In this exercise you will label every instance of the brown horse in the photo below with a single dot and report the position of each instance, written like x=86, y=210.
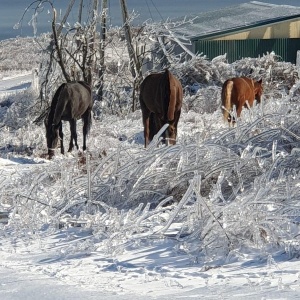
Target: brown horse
x=71, y=101
x=161, y=100
x=238, y=91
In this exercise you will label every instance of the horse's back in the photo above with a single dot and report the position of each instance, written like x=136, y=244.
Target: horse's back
x=74, y=100
x=150, y=84
x=242, y=90
x=80, y=90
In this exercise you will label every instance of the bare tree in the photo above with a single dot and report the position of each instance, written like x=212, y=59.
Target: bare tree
x=78, y=53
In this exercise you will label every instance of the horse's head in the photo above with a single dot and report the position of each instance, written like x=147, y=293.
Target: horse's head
x=258, y=90
x=52, y=134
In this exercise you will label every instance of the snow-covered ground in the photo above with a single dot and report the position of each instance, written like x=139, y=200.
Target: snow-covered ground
x=152, y=270
x=144, y=252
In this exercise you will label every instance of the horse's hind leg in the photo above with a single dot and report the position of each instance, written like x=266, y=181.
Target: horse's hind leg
x=177, y=116
x=146, y=119
x=240, y=104
x=61, y=135
x=172, y=129
x=87, y=120
x=152, y=126
x=73, y=135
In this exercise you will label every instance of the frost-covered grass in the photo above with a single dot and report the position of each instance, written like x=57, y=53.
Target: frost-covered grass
x=224, y=188
x=21, y=54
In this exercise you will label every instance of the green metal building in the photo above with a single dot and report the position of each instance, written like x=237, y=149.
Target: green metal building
x=250, y=29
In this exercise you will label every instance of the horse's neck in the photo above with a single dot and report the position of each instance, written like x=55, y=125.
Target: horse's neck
x=54, y=103
x=63, y=99
x=52, y=112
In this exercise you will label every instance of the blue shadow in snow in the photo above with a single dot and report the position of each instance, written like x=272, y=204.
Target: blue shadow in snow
x=20, y=86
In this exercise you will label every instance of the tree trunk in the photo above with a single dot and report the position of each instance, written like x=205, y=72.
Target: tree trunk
x=135, y=65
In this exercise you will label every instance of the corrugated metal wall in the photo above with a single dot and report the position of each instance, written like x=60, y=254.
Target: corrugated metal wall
x=237, y=49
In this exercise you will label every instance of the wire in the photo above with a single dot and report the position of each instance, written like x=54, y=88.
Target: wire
x=149, y=9
x=156, y=9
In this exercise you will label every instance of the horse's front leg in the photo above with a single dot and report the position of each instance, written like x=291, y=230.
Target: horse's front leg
x=172, y=130
x=146, y=120
x=239, y=108
x=61, y=136
x=73, y=135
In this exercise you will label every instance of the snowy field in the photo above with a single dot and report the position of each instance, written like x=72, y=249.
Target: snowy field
x=15, y=84
x=214, y=217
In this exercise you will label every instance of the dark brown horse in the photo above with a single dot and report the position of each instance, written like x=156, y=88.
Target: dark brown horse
x=161, y=100
x=238, y=91
x=70, y=102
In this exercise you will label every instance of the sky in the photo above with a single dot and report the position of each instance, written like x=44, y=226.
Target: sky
x=12, y=11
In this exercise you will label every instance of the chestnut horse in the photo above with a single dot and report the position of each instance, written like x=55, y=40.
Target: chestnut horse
x=238, y=91
x=161, y=97
x=71, y=101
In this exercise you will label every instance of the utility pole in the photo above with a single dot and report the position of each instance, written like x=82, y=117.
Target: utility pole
x=102, y=48
x=91, y=60
x=71, y=3
x=135, y=65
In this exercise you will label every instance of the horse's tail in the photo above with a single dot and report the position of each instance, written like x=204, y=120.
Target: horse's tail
x=170, y=96
x=226, y=98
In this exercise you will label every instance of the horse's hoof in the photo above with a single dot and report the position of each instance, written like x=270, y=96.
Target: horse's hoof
x=50, y=154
